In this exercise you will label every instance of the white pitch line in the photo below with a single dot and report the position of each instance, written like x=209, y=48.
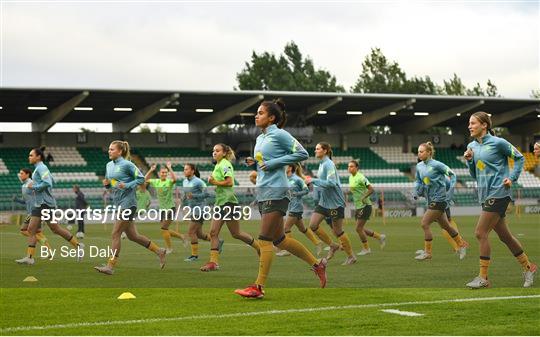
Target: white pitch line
x=258, y=313
x=402, y=313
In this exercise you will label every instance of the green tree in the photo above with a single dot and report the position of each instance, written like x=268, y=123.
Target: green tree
x=422, y=86
x=455, y=86
x=144, y=128
x=492, y=90
x=535, y=93
x=380, y=75
x=291, y=71
x=477, y=90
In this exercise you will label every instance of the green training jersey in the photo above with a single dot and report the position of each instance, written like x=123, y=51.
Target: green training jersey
x=359, y=187
x=224, y=194
x=143, y=199
x=164, y=189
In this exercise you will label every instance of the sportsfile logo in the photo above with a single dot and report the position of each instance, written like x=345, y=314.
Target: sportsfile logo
x=113, y=213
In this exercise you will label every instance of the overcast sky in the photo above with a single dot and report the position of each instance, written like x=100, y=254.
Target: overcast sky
x=201, y=46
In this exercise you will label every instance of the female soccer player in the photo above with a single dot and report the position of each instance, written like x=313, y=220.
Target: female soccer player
x=82, y=204
x=331, y=203
x=431, y=184
x=41, y=187
x=296, y=209
x=223, y=178
x=454, y=225
x=274, y=149
x=144, y=199
x=361, y=190
x=194, y=197
x=487, y=160
x=165, y=189
x=28, y=201
x=123, y=177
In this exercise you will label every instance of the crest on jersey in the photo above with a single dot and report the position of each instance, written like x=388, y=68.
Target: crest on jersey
x=426, y=180
x=480, y=165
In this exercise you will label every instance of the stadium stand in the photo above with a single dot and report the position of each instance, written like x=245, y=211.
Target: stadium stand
x=386, y=167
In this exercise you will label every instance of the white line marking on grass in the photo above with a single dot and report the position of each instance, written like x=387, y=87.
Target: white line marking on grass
x=257, y=313
x=402, y=313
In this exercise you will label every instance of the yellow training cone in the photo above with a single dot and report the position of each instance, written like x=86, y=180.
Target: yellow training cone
x=126, y=296
x=30, y=279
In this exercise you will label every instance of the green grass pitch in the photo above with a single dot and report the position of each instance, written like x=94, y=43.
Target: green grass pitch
x=70, y=298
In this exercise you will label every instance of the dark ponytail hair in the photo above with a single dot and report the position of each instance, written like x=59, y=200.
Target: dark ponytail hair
x=40, y=151
x=276, y=108
x=326, y=146
x=195, y=169
x=483, y=117
x=27, y=171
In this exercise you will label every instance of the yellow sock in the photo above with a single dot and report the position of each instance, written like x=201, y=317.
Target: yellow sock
x=25, y=233
x=47, y=244
x=153, y=247
x=450, y=240
x=376, y=235
x=459, y=240
x=176, y=234
x=167, y=237
x=365, y=245
x=346, y=243
x=214, y=255
x=484, y=264
x=74, y=242
x=312, y=237
x=323, y=236
x=294, y=247
x=195, y=249
x=288, y=234
x=454, y=224
x=30, y=251
x=41, y=238
x=427, y=246
x=112, y=261
x=256, y=246
x=265, y=261
x=523, y=259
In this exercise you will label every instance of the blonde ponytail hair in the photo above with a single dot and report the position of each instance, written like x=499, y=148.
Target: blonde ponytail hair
x=430, y=148
x=229, y=152
x=297, y=169
x=124, y=147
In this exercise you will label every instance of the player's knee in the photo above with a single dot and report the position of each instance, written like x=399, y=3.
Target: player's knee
x=117, y=232
x=480, y=235
x=132, y=236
